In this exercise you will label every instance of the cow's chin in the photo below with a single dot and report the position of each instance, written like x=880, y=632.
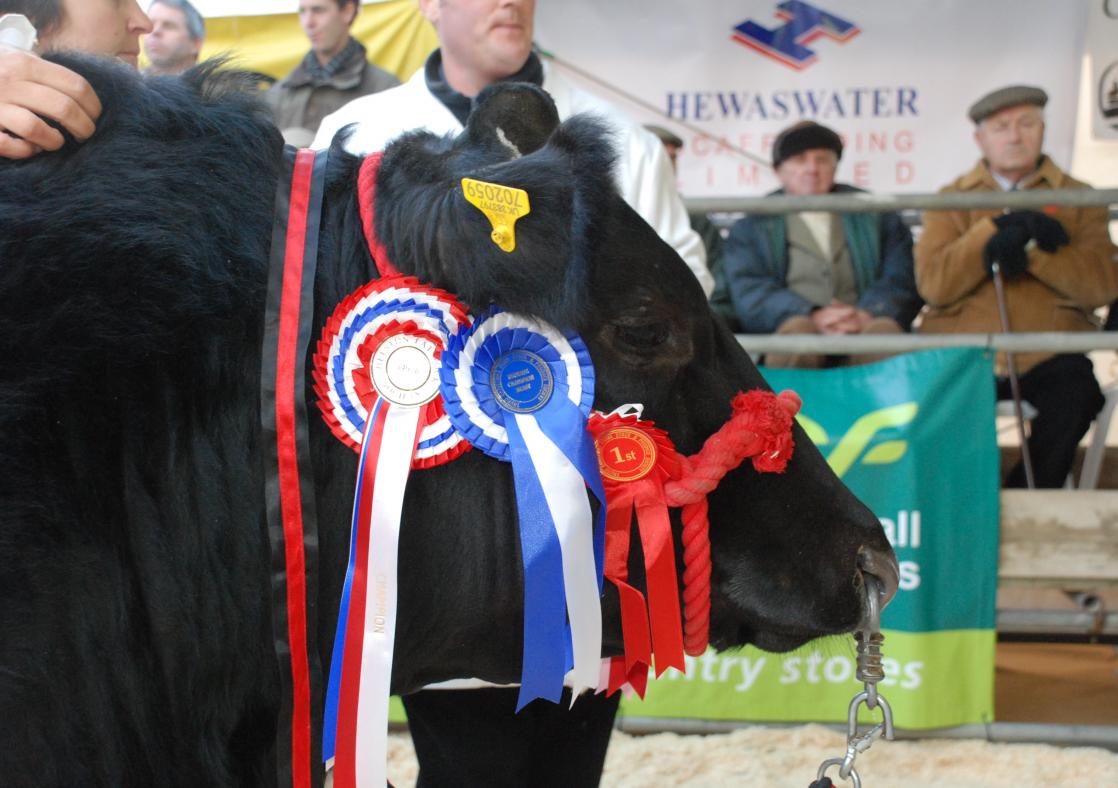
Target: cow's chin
x=766, y=641
x=731, y=631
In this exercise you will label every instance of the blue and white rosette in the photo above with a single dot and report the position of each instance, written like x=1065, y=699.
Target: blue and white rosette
x=521, y=391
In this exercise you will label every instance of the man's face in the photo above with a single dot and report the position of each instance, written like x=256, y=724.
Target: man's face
x=490, y=38
x=1011, y=140
x=326, y=25
x=809, y=172
x=169, y=43
x=101, y=27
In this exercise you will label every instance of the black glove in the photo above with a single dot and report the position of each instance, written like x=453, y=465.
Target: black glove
x=1007, y=248
x=1050, y=235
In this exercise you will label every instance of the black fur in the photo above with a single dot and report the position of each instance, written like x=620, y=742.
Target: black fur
x=135, y=638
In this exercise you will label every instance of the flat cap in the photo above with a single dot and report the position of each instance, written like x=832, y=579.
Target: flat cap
x=805, y=135
x=1003, y=98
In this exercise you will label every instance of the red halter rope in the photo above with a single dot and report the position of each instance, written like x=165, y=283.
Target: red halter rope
x=761, y=428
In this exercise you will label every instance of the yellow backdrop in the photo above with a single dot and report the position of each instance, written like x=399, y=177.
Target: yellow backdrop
x=395, y=33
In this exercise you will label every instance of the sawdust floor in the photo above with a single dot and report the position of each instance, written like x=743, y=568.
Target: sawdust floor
x=1038, y=683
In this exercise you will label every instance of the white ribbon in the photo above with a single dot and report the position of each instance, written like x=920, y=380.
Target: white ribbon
x=390, y=480
x=574, y=522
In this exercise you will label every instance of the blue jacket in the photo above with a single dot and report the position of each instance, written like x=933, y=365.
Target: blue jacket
x=755, y=267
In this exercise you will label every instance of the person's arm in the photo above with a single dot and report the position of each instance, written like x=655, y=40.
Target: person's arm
x=948, y=258
x=1084, y=270
x=760, y=298
x=893, y=294
x=646, y=181
x=32, y=89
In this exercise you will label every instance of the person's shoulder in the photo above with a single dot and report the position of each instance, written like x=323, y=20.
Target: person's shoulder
x=977, y=178
x=293, y=78
x=571, y=99
x=1056, y=178
x=378, y=78
x=378, y=116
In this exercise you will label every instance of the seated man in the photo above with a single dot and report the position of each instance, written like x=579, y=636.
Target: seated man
x=818, y=272
x=333, y=73
x=1058, y=266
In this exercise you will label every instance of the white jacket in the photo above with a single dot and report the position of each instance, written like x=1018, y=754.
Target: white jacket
x=645, y=177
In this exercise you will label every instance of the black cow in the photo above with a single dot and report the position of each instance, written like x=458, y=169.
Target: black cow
x=136, y=643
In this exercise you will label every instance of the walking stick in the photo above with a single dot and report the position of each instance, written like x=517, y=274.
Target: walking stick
x=1014, y=381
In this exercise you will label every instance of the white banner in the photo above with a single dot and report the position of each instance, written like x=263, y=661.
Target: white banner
x=1102, y=51
x=895, y=79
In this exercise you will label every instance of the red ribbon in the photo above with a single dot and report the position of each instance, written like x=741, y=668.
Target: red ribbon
x=366, y=206
x=636, y=459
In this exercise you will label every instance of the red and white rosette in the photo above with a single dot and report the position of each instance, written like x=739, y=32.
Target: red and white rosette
x=377, y=378
x=636, y=459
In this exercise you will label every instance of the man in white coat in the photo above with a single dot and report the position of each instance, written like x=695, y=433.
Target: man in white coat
x=485, y=41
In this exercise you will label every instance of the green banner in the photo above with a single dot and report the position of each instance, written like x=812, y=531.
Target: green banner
x=913, y=437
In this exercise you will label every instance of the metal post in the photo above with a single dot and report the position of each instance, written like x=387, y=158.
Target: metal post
x=1014, y=381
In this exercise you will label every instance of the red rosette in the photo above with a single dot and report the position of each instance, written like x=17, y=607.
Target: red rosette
x=636, y=459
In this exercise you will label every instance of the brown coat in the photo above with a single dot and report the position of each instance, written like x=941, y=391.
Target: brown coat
x=1058, y=292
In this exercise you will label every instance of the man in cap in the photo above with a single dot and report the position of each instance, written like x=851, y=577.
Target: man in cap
x=333, y=73
x=177, y=34
x=1058, y=265
x=486, y=41
x=817, y=272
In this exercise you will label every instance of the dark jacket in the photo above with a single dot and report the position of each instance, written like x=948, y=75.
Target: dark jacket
x=755, y=265
x=299, y=101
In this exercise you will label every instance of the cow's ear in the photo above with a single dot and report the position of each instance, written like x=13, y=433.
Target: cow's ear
x=515, y=116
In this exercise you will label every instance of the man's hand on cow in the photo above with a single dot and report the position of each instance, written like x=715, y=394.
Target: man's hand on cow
x=32, y=89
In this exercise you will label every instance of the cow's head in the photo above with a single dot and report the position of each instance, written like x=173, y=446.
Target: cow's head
x=789, y=550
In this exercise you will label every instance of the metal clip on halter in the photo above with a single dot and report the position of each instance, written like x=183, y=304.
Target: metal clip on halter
x=870, y=672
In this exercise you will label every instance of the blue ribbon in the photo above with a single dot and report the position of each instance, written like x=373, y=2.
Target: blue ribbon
x=547, y=650
x=334, y=685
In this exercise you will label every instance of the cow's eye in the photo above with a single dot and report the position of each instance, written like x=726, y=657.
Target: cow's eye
x=644, y=335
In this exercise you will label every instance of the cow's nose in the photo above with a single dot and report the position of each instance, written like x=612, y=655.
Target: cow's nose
x=882, y=564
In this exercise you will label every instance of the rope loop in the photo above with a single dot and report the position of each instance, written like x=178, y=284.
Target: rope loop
x=760, y=428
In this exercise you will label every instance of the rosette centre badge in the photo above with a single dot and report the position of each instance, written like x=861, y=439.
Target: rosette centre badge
x=404, y=370
x=626, y=454
x=521, y=381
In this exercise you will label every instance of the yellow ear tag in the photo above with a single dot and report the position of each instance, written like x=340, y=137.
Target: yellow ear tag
x=502, y=205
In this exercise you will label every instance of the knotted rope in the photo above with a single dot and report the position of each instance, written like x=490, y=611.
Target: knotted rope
x=760, y=428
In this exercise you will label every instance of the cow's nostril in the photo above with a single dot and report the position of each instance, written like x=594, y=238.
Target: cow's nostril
x=882, y=564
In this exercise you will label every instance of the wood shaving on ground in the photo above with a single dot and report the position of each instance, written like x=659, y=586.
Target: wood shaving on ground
x=790, y=757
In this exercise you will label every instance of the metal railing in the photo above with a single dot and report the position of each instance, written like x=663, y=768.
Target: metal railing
x=865, y=202
x=729, y=208
x=1054, y=342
